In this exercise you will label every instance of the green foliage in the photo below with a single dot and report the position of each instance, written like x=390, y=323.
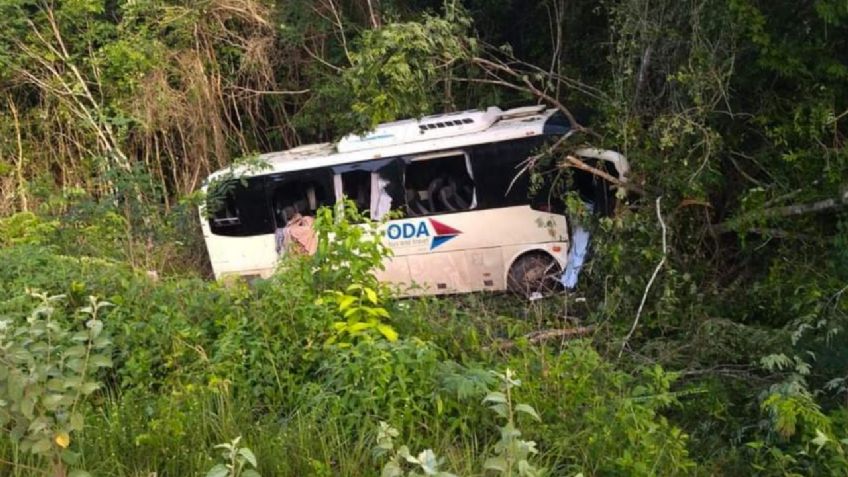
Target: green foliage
x=397, y=381
x=733, y=111
x=363, y=316
x=426, y=460
x=396, y=70
x=48, y=372
x=239, y=461
x=26, y=228
x=602, y=420
x=511, y=452
x=350, y=248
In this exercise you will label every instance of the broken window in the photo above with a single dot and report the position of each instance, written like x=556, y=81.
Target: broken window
x=238, y=210
x=301, y=193
x=356, y=186
x=375, y=186
x=225, y=212
x=499, y=175
x=435, y=185
x=387, y=187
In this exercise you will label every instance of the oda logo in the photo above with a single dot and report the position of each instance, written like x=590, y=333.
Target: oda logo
x=441, y=233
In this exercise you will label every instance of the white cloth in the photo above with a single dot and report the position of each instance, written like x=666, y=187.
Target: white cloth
x=577, y=254
x=576, y=257
x=381, y=201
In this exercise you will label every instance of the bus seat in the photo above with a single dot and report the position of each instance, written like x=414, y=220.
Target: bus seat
x=310, y=197
x=446, y=194
x=414, y=205
x=432, y=192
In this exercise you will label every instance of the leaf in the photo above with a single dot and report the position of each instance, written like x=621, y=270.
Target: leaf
x=358, y=327
x=89, y=387
x=95, y=327
x=62, y=439
x=495, y=463
x=820, y=440
x=496, y=397
x=220, y=470
x=101, y=342
x=41, y=446
x=75, y=351
x=79, y=473
x=248, y=455
x=528, y=409
x=403, y=451
x=101, y=361
x=27, y=406
x=500, y=409
x=388, y=332
x=70, y=457
x=80, y=337
x=350, y=311
x=51, y=401
x=346, y=301
x=372, y=295
x=250, y=473
x=76, y=421
x=527, y=470
x=391, y=469
x=75, y=365
x=428, y=462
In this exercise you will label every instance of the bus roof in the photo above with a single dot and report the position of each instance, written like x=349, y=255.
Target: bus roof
x=410, y=136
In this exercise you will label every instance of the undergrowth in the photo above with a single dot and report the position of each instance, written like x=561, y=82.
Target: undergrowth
x=287, y=368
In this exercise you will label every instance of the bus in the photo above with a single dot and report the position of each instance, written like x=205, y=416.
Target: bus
x=469, y=222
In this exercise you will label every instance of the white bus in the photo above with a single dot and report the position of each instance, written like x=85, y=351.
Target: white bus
x=468, y=223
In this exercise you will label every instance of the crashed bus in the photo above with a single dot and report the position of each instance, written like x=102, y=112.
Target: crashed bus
x=468, y=220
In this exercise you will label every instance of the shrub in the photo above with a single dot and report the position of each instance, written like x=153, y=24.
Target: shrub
x=47, y=371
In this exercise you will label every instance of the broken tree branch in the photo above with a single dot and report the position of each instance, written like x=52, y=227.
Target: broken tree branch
x=783, y=211
x=571, y=161
x=542, y=336
x=651, y=281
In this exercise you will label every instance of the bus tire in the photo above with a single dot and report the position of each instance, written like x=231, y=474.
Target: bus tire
x=533, y=274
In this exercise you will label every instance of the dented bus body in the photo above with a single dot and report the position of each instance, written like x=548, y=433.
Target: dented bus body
x=469, y=222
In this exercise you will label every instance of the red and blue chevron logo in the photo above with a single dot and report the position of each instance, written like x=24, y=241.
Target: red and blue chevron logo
x=443, y=233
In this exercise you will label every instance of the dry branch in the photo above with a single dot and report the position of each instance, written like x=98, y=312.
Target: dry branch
x=651, y=280
x=783, y=211
x=571, y=161
x=541, y=336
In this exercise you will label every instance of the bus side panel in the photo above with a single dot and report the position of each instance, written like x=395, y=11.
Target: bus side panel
x=254, y=255
x=486, y=269
x=474, y=230
x=439, y=272
x=396, y=272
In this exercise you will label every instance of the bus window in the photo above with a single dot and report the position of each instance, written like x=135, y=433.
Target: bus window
x=356, y=186
x=237, y=210
x=496, y=172
x=387, y=187
x=226, y=213
x=439, y=185
x=300, y=194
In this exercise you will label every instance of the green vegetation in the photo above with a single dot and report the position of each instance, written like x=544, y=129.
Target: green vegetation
x=716, y=290
x=196, y=363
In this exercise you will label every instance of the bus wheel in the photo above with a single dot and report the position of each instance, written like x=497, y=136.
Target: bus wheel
x=534, y=275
